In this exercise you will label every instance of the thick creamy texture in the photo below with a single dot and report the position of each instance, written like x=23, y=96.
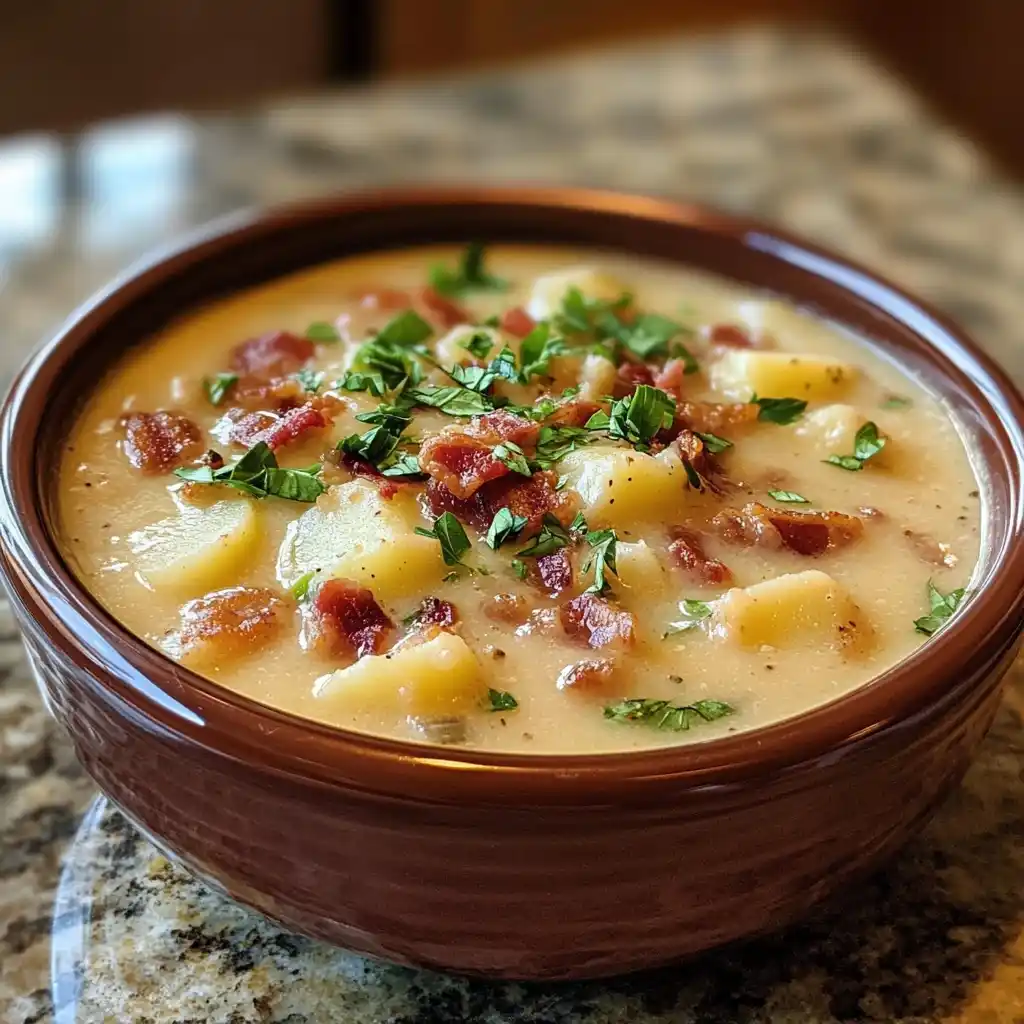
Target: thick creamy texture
x=768, y=653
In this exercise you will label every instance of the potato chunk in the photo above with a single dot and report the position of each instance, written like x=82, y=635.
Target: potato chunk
x=797, y=609
x=740, y=373
x=597, y=377
x=640, y=570
x=619, y=486
x=549, y=290
x=199, y=549
x=353, y=532
x=439, y=677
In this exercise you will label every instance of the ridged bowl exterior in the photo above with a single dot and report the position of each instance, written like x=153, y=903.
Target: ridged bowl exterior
x=519, y=867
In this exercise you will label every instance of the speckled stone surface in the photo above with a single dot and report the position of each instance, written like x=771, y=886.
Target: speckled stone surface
x=95, y=926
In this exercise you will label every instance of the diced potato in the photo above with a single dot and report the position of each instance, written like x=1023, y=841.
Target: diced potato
x=549, y=290
x=640, y=570
x=439, y=677
x=597, y=377
x=451, y=351
x=199, y=549
x=619, y=486
x=352, y=532
x=802, y=608
x=740, y=373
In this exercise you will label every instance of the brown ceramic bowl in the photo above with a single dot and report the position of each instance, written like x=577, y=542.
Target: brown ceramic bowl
x=497, y=864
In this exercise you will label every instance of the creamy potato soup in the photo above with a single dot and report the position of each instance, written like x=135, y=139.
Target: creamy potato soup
x=527, y=499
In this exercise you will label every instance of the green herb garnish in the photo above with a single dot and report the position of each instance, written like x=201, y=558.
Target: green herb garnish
x=647, y=336
x=519, y=568
x=638, y=418
x=551, y=537
x=478, y=344
x=454, y=400
x=311, y=380
x=554, y=443
x=449, y=532
x=866, y=444
x=472, y=378
x=601, y=557
x=713, y=442
x=942, y=607
x=405, y=330
x=790, y=497
x=782, y=411
x=896, y=402
x=355, y=380
x=680, y=351
x=218, y=386
x=300, y=588
x=693, y=613
x=469, y=276
x=501, y=700
x=505, y=526
x=257, y=474
x=663, y=714
x=322, y=332
x=510, y=454
x=537, y=350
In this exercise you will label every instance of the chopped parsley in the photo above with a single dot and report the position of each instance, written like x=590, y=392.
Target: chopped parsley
x=218, y=386
x=355, y=380
x=505, y=526
x=300, y=588
x=510, y=454
x=472, y=378
x=311, y=380
x=453, y=400
x=519, y=568
x=647, y=336
x=322, y=332
x=500, y=700
x=451, y=535
x=582, y=315
x=469, y=276
x=690, y=364
x=601, y=558
x=663, y=714
x=257, y=474
x=693, y=613
x=405, y=330
x=554, y=443
x=896, y=402
x=866, y=444
x=942, y=607
x=789, y=497
x=782, y=411
x=638, y=418
x=478, y=344
x=551, y=537
x=504, y=365
x=713, y=442
x=537, y=350
x=380, y=447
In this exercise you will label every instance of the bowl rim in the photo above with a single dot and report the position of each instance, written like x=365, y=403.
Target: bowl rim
x=146, y=685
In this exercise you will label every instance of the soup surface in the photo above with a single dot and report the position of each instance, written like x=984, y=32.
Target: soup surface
x=533, y=500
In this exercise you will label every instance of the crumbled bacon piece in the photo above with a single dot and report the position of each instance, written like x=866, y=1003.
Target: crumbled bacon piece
x=461, y=459
x=553, y=573
x=275, y=431
x=574, y=413
x=692, y=450
x=386, y=486
x=517, y=322
x=594, y=621
x=530, y=497
x=729, y=335
x=428, y=303
x=929, y=550
x=435, y=611
x=511, y=608
x=157, y=442
x=806, y=533
x=687, y=551
x=348, y=620
x=629, y=376
x=670, y=377
x=593, y=675
x=271, y=356
x=713, y=417
x=232, y=622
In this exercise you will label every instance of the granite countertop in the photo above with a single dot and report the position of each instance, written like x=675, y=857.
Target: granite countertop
x=96, y=926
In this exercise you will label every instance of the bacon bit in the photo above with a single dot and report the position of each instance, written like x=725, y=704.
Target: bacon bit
x=275, y=431
x=428, y=303
x=232, y=622
x=629, y=376
x=435, y=611
x=552, y=573
x=347, y=619
x=714, y=418
x=593, y=620
x=517, y=322
x=243, y=428
x=687, y=550
x=212, y=459
x=271, y=356
x=461, y=459
x=929, y=550
x=157, y=442
x=806, y=533
x=574, y=413
x=592, y=675
x=530, y=497
x=670, y=377
x=540, y=622
x=386, y=486
x=511, y=608
x=729, y=335
x=692, y=450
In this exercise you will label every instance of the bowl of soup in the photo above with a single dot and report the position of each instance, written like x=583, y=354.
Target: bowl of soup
x=534, y=584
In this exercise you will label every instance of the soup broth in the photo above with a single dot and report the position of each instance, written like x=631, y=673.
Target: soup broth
x=532, y=499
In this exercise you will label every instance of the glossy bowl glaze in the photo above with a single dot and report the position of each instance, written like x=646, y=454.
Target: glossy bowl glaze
x=511, y=865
